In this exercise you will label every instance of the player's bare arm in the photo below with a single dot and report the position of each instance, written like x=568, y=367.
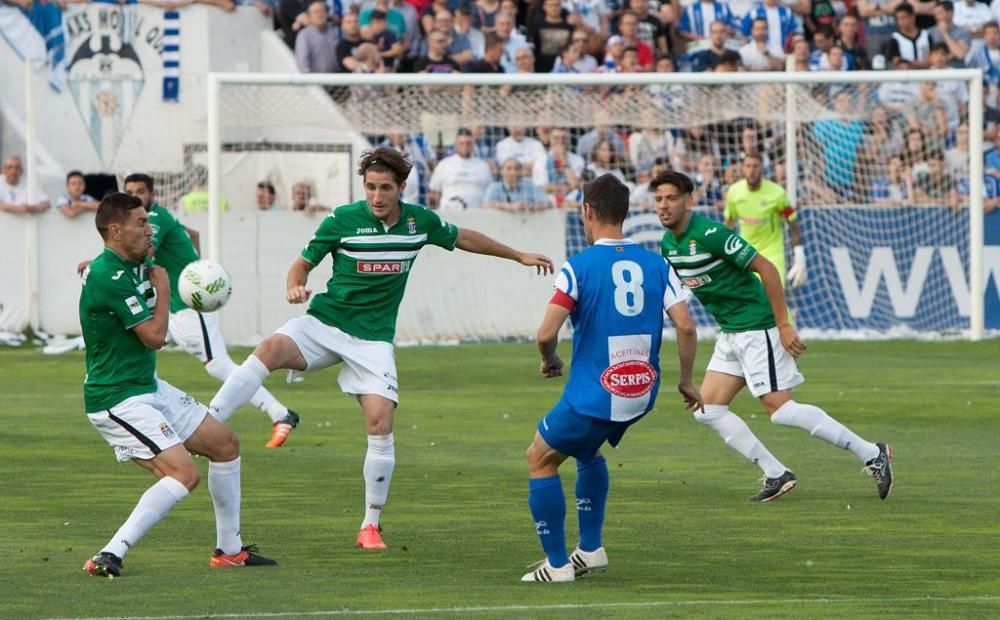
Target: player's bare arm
x=195, y=239
x=776, y=297
x=687, y=348
x=478, y=243
x=548, y=339
x=153, y=333
x=298, y=276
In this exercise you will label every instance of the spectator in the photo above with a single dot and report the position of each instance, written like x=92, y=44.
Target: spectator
x=592, y=16
x=840, y=138
x=14, y=190
x=972, y=16
x=925, y=13
x=707, y=59
x=196, y=200
x=801, y=55
x=512, y=40
x=920, y=111
x=755, y=55
x=991, y=193
x=821, y=15
x=651, y=30
x=897, y=95
x=464, y=28
x=436, y=60
x=291, y=18
x=613, y=53
x=550, y=31
x=429, y=12
x=908, y=42
x=956, y=158
x=490, y=62
x=601, y=131
x=956, y=38
x=773, y=13
x=879, y=20
x=603, y=160
x=936, y=186
x=521, y=148
x=953, y=94
x=459, y=180
x=992, y=161
x=524, y=61
x=413, y=38
x=884, y=136
x=708, y=188
x=350, y=39
x=729, y=62
x=390, y=47
x=847, y=31
x=895, y=187
x=460, y=48
x=316, y=45
x=628, y=28
x=567, y=59
x=513, y=192
x=266, y=197
x=649, y=143
x=77, y=200
x=585, y=63
x=915, y=153
x=698, y=16
x=640, y=196
x=985, y=54
x=302, y=198
x=394, y=20
x=823, y=40
x=369, y=61
x=559, y=171
x=485, y=13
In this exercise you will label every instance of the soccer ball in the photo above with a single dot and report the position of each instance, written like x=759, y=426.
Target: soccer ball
x=205, y=286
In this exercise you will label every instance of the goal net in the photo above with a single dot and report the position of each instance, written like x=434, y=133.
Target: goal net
x=878, y=167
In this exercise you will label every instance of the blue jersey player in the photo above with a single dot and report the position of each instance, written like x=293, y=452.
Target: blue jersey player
x=615, y=293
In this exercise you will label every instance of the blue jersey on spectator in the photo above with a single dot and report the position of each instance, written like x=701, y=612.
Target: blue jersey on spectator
x=694, y=19
x=840, y=142
x=991, y=187
x=617, y=292
x=789, y=23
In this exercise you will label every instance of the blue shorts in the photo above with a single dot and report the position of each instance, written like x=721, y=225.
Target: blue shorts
x=580, y=436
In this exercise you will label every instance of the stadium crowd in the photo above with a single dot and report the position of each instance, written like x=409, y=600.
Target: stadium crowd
x=910, y=140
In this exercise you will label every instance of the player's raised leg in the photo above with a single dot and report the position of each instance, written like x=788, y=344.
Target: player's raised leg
x=818, y=423
x=274, y=352
x=380, y=460
x=548, y=509
x=718, y=389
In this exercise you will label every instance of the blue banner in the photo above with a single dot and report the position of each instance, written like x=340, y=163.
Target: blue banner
x=869, y=268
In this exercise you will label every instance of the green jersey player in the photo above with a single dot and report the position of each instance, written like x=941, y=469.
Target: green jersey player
x=123, y=313
x=373, y=243
x=760, y=206
x=757, y=346
x=174, y=247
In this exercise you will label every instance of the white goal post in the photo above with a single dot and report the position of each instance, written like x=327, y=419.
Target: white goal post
x=786, y=99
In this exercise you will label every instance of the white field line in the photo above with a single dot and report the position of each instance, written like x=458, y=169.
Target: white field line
x=558, y=607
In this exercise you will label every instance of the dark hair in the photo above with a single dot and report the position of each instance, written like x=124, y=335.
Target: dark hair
x=759, y=19
x=991, y=25
x=114, y=209
x=377, y=14
x=385, y=159
x=463, y=131
x=826, y=31
x=730, y=57
x=940, y=46
x=906, y=7
x=138, y=177
x=268, y=186
x=948, y=5
x=671, y=177
x=492, y=40
x=608, y=197
x=73, y=173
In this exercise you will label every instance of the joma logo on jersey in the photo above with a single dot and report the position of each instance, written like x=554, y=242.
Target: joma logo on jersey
x=387, y=266
x=629, y=379
x=697, y=281
x=366, y=231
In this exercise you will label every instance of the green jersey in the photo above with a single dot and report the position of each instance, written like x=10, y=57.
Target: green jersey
x=712, y=261
x=759, y=215
x=370, y=265
x=172, y=248
x=116, y=296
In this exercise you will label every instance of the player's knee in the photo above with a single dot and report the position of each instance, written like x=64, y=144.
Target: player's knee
x=379, y=426
x=710, y=413
x=228, y=449
x=187, y=474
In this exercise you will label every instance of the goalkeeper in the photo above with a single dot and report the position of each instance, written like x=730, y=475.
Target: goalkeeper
x=759, y=206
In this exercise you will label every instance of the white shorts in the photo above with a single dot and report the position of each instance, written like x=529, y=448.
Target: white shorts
x=140, y=427
x=759, y=358
x=197, y=333
x=369, y=365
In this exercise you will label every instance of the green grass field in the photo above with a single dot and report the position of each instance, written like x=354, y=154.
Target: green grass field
x=681, y=537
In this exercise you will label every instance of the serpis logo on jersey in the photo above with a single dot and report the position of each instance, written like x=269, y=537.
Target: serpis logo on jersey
x=411, y=226
x=629, y=379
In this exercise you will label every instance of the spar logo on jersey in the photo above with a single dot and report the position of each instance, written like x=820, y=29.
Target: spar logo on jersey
x=381, y=267
x=733, y=245
x=629, y=379
x=697, y=281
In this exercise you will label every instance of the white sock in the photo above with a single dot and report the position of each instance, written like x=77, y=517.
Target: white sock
x=738, y=436
x=222, y=366
x=240, y=386
x=819, y=424
x=154, y=504
x=379, y=462
x=224, y=485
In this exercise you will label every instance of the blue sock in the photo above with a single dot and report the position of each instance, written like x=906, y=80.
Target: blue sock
x=548, y=508
x=591, y=497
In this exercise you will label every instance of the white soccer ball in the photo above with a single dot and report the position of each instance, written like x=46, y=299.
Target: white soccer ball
x=205, y=286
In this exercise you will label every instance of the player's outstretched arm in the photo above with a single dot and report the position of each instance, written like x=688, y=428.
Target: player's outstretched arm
x=296, y=291
x=548, y=339
x=687, y=348
x=798, y=274
x=478, y=243
x=776, y=297
x=153, y=333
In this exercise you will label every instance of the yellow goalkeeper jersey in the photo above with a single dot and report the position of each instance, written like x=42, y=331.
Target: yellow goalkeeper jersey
x=759, y=215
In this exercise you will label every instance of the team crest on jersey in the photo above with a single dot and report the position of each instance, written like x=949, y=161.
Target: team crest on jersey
x=411, y=225
x=692, y=247
x=629, y=379
x=166, y=430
